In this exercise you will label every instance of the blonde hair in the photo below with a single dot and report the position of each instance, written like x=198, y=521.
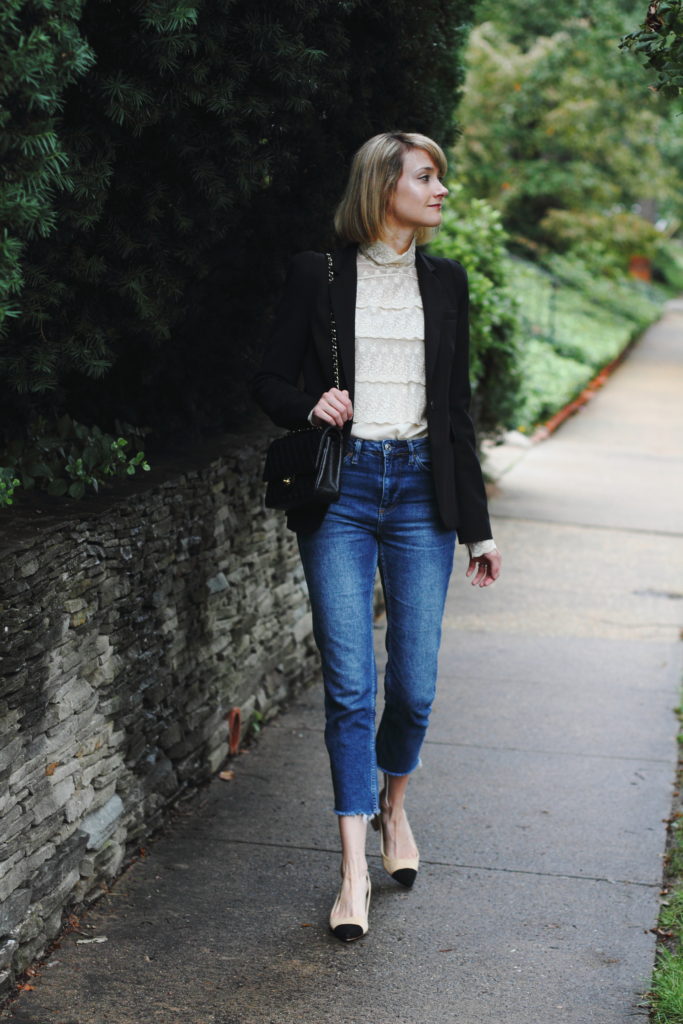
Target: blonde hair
x=375, y=170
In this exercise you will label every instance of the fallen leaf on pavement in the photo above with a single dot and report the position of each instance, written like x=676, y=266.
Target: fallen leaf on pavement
x=227, y=776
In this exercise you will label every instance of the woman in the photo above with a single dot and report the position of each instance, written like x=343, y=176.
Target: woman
x=410, y=480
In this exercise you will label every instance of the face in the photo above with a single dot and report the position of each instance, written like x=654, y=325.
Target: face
x=419, y=194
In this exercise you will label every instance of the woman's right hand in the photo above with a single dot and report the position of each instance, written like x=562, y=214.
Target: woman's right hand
x=333, y=408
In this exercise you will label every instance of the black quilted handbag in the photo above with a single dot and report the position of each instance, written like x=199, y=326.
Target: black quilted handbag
x=304, y=466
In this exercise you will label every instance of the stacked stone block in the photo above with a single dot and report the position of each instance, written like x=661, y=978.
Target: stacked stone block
x=128, y=629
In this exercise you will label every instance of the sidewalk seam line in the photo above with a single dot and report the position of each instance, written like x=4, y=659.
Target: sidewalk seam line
x=552, y=753
x=523, y=750
x=586, y=526
x=448, y=864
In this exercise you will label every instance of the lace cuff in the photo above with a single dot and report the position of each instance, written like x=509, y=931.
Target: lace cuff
x=481, y=547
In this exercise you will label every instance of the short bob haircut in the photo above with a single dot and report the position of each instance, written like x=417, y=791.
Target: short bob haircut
x=375, y=170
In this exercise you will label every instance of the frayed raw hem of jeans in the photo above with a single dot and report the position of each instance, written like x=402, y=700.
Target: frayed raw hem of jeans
x=401, y=775
x=358, y=814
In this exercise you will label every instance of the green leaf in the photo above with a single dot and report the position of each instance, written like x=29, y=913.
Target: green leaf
x=90, y=456
x=57, y=488
x=77, y=490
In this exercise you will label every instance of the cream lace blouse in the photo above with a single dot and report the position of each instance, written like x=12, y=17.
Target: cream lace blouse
x=389, y=390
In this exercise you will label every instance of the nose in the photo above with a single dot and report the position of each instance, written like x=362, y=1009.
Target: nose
x=442, y=190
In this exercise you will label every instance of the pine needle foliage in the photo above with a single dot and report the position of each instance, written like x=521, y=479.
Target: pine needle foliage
x=167, y=156
x=41, y=53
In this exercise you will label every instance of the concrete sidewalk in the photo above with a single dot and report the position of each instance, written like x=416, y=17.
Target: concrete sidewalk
x=548, y=771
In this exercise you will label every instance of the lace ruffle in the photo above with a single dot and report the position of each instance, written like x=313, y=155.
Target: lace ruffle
x=396, y=295
x=396, y=324
x=379, y=360
x=379, y=284
x=389, y=402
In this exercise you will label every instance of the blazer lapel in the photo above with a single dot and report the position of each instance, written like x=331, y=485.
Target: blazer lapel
x=434, y=303
x=343, y=298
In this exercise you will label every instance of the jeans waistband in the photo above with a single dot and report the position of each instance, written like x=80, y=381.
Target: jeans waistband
x=410, y=445
x=409, y=450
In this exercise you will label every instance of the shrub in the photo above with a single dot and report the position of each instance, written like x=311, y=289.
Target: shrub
x=471, y=232
x=8, y=484
x=668, y=263
x=573, y=323
x=605, y=242
x=41, y=54
x=66, y=458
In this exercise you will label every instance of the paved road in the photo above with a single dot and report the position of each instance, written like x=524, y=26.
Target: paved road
x=539, y=809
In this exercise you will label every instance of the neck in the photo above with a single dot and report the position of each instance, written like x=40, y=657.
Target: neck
x=400, y=239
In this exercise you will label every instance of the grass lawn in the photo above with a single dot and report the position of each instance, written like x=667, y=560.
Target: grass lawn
x=573, y=324
x=666, y=990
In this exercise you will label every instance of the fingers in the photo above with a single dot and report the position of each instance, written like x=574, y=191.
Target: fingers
x=486, y=569
x=480, y=570
x=333, y=408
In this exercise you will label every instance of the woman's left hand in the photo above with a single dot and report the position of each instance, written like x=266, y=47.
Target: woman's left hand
x=486, y=568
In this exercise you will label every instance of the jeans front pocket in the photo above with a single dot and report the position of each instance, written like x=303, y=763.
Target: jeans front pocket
x=423, y=459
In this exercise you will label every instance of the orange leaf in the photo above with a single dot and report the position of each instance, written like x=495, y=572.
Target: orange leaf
x=26, y=988
x=50, y=770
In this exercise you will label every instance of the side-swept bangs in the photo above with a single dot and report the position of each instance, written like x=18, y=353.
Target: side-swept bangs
x=375, y=170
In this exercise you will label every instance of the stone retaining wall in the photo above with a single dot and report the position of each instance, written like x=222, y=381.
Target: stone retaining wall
x=128, y=629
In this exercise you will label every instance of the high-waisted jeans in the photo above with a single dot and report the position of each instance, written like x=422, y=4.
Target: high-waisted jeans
x=386, y=516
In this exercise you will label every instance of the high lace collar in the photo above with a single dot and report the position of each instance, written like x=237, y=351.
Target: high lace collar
x=384, y=256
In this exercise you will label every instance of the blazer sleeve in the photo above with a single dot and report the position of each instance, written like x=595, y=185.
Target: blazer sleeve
x=275, y=386
x=474, y=523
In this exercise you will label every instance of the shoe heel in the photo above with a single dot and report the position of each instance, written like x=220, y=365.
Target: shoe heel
x=404, y=870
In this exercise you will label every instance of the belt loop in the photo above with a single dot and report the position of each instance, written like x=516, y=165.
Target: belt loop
x=411, y=450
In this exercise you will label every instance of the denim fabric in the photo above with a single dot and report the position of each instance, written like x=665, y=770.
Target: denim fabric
x=387, y=517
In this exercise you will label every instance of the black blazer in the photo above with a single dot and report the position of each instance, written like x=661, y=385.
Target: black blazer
x=297, y=368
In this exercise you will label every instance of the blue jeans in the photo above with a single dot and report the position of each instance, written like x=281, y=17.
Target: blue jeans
x=387, y=517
